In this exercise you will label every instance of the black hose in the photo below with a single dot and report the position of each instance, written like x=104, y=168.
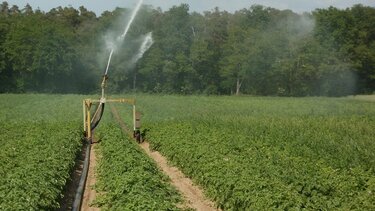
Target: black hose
x=82, y=182
x=95, y=120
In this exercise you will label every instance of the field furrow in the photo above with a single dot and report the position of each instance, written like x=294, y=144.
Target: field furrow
x=257, y=153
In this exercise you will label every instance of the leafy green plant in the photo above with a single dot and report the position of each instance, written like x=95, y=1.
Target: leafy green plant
x=39, y=139
x=269, y=153
x=128, y=179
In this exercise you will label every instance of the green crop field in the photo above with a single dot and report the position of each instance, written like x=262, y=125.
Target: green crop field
x=40, y=136
x=264, y=152
x=245, y=152
x=224, y=95
x=129, y=179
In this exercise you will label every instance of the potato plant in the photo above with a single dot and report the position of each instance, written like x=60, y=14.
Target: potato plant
x=128, y=179
x=40, y=136
x=252, y=153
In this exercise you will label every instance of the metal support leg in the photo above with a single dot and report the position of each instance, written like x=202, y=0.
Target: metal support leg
x=84, y=115
x=89, y=135
x=134, y=116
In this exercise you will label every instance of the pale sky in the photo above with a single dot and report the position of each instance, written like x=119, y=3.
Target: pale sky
x=98, y=6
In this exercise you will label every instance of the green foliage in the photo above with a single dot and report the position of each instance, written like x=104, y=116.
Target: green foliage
x=127, y=178
x=257, y=50
x=42, y=55
x=39, y=139
x=350, y=32
x=269, y=153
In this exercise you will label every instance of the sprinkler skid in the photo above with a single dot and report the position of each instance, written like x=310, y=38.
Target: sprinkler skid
x=88, y=118
x=91, y=121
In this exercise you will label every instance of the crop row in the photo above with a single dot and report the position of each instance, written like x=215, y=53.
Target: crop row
x=127, y=178
x=264, y=153
x=39, y=139
x=247, y=171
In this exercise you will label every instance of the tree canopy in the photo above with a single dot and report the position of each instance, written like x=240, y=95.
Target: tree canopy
x=257, y=50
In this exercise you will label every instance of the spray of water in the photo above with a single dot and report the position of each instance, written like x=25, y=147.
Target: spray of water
x=122, y=37
x=109, y=61
x=146, y=44
x=135, y=11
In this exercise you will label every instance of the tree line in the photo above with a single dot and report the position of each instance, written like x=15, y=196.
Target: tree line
x=257, y=50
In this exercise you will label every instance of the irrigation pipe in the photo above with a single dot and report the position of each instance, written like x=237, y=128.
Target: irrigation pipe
x=82, y=182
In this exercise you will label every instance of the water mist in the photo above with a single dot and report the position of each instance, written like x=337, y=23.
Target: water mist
x=122, y=37
x=146, y=44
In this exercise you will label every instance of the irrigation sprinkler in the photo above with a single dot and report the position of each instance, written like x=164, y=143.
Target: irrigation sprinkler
x=93, y=109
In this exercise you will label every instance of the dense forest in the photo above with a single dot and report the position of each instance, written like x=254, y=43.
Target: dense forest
x=257, y=51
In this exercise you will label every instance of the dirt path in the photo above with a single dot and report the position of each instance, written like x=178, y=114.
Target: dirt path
x=370, y=98
x=89, y=193
x=193, y=195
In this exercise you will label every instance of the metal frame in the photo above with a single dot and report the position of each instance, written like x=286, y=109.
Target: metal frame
x=87, y=103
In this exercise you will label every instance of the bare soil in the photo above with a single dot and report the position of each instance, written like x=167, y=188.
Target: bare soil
x=194, y=197
x=370, y=98
x=193, y=194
